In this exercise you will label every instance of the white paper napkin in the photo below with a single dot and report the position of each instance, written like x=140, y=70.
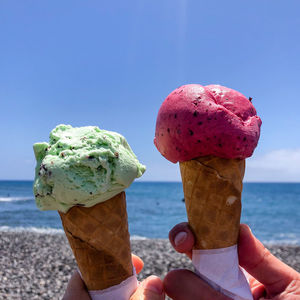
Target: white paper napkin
x=122, y=291
x=220, y=268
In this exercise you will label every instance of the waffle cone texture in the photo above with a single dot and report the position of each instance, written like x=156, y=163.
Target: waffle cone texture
x=100, y=242
x=212, y=189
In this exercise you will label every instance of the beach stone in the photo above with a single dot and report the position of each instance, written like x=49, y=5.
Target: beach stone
x=38, y=266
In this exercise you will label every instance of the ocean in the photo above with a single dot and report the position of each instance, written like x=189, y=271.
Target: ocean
x=272, y=210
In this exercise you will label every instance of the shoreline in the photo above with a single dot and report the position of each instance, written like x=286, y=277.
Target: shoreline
x=60, y=231
x=39, y=265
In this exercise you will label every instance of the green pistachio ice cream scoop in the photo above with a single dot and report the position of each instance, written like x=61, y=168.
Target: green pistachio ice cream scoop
x=82, y=166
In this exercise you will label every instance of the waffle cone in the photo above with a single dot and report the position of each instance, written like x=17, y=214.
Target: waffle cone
x=100, y=242
x=212, y=189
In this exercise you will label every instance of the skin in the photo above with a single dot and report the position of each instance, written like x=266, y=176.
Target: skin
x=149, y=289
x=269, y=277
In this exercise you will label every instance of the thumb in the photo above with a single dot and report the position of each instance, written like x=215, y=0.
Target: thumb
x=76, y=289
x=149, y=289
x=186, y=285
x=262, y=265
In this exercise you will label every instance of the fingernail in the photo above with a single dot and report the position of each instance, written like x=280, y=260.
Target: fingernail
x=249, y=228
x=154, y=285
x=246, y=227
x=180, y=238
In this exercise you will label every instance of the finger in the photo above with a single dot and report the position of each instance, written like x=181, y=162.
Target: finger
x=261, y=264
x=149, y=289
x=253, y=282
x=182, y=238
x=258, y=292
x=76, y=289
x=137, y=263
x=186, y=285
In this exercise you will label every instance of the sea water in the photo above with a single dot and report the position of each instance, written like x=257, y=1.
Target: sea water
x=271, y=209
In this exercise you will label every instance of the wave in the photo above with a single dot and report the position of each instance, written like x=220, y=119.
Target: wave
x=283, y=239
x=138, y=237
x=48, y=230
x=43, y=230
x=287, y=242
x=11, y=199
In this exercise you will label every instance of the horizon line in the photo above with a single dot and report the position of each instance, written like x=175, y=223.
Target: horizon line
x=166, y=181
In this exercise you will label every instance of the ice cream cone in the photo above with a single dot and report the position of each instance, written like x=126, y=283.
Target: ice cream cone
x=212, y=189
x=99, y=238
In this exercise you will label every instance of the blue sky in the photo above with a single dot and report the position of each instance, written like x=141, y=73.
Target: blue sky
x=112, y=63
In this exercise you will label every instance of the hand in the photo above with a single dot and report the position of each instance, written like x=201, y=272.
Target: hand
x=149, y=289
x=271, y=278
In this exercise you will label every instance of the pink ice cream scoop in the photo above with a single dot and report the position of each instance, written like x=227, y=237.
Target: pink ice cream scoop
x=196, y=120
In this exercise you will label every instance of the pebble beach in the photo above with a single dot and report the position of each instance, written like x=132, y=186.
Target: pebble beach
x=38, y=266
